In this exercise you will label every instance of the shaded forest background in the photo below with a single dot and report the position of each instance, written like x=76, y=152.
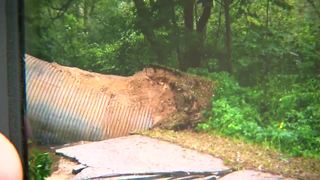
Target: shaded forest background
x=263, y=55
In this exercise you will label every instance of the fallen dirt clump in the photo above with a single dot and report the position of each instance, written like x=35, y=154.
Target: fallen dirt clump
x=176, y=98
x=187, y=96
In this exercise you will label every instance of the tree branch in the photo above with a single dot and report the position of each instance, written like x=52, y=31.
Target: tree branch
x=201, y=24
x=188, y=6
x=143, y=20
x=144, y=23
x=219, y=23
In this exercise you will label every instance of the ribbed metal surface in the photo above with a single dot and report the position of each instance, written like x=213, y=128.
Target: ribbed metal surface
x=122, y=119
x=61, y=111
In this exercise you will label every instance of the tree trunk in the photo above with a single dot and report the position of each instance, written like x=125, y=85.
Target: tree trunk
x=85, y=13
x=194, y=39
x=145, y=24
x=192, y=51
x=201, y=24
x=188, y=14
x=219, y=26
x=227, y=64
x=176, y=35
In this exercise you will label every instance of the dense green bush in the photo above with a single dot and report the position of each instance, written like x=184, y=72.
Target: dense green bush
x=283, y=113
x=39, y=165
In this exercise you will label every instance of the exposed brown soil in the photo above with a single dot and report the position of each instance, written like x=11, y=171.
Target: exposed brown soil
x=63, y=169
x=176, y=98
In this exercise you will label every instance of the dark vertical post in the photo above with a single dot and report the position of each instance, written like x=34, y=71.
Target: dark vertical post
x=12, y=83
x=4, y=110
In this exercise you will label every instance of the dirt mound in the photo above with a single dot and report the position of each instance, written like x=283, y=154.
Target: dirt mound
x=187, y=96
x=176, y=98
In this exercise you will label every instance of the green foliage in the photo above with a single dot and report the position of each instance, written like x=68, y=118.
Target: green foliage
x=283, y=113
x=294, y=102
x=39, y=165
x=102, y=40
x=272, y=96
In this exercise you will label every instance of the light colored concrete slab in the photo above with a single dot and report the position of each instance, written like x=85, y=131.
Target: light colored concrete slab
x=138, y=154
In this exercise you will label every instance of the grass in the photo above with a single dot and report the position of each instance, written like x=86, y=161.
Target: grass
x=238, y=154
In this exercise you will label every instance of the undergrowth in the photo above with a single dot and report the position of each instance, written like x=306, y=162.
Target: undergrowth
x=283, y=112
x=39, y=165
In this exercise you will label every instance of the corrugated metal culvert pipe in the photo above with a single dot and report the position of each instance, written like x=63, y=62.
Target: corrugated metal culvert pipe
x=61, y=110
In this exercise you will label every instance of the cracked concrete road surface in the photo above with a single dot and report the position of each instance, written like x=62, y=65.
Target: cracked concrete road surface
x=141, y=157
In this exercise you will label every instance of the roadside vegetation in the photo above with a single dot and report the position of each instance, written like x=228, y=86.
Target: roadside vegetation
x=238, y=154
x=264, y=57
x=282, y=113
x=39, y=164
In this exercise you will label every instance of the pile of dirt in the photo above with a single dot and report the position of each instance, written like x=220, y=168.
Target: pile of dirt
x=183, y=98
x=175, y=98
